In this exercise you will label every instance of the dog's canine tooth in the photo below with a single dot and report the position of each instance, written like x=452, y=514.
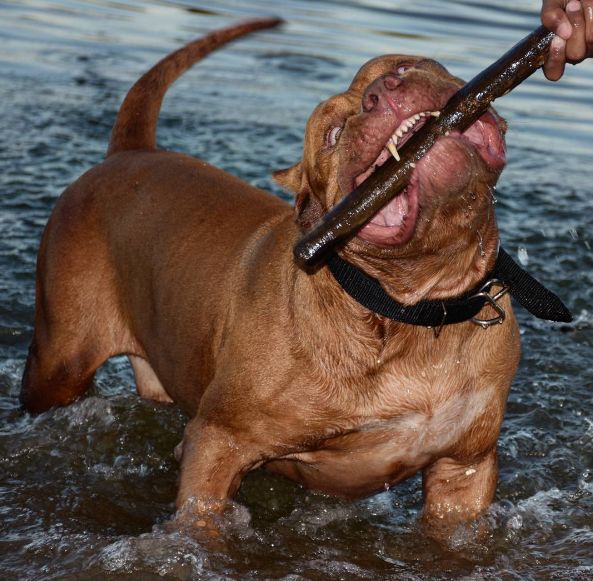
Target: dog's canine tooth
x=393, y=150
x=404, y=127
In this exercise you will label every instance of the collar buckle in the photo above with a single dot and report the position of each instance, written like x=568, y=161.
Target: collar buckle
x=491, y=300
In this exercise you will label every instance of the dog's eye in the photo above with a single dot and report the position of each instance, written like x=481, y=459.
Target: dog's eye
x=401, y=69
x=333, y=135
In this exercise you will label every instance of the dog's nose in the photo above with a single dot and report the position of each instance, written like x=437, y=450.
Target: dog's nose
x=375, y=94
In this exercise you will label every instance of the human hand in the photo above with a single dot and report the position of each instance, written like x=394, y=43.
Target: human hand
x=572, y=22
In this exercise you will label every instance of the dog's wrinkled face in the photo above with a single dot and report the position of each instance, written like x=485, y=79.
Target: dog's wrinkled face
x=352, y=133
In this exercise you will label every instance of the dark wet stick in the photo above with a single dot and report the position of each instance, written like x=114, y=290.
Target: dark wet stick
x=463, y=109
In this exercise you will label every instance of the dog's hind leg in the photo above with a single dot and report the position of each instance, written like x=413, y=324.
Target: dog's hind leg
x=57, y=375
x=77, y=326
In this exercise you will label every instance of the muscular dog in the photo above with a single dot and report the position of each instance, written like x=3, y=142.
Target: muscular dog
x=189, y=271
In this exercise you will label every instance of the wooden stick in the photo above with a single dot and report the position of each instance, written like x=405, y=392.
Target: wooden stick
x=462, y=109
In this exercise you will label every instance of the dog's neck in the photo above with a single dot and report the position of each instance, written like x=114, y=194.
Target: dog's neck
x=441, y=269
x=360, y=337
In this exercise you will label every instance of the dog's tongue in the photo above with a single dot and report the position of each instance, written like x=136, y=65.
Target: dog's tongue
x=393, y=214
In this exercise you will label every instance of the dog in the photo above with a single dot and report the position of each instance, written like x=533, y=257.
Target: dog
x=189, y=272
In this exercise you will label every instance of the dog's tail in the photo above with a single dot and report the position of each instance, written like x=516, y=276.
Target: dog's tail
x=135, y=126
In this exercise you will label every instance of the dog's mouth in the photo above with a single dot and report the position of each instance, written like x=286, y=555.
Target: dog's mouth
x=395, y=224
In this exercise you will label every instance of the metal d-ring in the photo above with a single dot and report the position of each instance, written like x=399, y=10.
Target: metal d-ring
x=491, y=300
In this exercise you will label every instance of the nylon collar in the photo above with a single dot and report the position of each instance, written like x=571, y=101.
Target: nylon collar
x=506, y=274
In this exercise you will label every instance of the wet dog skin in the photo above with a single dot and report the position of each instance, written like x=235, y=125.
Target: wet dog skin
x=189, y=271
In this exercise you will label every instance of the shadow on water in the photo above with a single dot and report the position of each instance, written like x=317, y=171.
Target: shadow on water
x=85, y=490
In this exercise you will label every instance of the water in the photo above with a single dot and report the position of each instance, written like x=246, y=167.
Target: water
x=84, y=491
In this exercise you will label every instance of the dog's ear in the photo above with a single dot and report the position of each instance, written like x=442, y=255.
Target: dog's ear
x=291, y=178
x=308, y=209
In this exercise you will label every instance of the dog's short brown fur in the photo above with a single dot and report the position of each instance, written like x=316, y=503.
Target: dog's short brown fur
x=189, y=271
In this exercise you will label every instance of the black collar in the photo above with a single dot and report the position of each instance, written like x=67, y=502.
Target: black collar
x=506, y=276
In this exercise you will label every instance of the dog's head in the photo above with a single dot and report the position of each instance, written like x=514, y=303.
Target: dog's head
x=352, y=133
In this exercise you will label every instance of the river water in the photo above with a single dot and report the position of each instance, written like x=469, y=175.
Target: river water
x=85, y=490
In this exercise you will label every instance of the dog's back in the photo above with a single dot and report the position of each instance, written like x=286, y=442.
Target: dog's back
x=124, y=223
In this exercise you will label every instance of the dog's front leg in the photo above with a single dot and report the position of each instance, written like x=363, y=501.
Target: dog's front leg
x=214, y=459
x=456, y=492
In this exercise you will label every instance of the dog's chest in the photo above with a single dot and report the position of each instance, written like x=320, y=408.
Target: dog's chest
x=403, y=427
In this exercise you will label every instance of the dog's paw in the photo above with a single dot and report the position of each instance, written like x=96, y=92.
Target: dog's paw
x=212, y=522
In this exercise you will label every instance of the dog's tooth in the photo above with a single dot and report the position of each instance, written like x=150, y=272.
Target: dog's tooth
x=435, y=113
x=412, y=164
x=399, y=132
x=393, y=150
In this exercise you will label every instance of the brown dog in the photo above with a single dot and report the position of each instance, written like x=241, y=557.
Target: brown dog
x=189, y=271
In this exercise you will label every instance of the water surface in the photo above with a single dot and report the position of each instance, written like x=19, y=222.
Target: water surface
x=84, y=490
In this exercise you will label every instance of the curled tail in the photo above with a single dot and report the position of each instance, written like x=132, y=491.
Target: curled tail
x=135, y=126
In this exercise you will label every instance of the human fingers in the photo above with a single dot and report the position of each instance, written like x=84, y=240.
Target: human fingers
x=588, y=16
x=555, y=59
x=554, y=18
x=576, y=47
